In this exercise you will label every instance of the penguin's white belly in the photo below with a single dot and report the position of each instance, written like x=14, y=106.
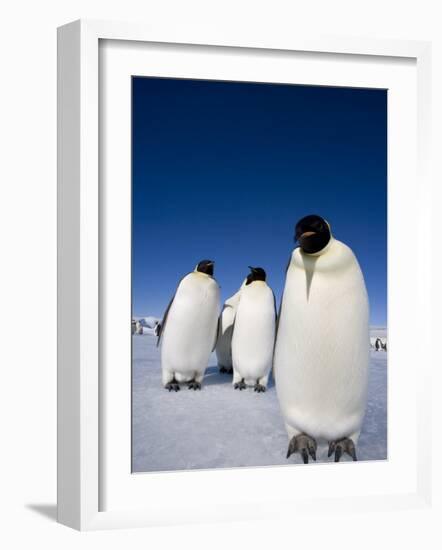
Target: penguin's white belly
x=322, y=353
x=225, y=332
x=254, y=333
x=190, y=330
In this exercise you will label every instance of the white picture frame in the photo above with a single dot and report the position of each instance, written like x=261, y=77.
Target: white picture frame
x=80, y=296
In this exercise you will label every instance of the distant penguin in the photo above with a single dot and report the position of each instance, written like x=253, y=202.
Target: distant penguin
x=133, y=326
x=189, y=328
x=322, y=345
x=384, y=345
x=253, y=337
x=378, y=344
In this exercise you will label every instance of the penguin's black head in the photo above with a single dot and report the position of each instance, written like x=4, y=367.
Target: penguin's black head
x=312, y=233
x=257, y=274
x=206, y=266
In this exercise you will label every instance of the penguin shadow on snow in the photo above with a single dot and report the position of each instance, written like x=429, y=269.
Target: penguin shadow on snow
x=213, y=377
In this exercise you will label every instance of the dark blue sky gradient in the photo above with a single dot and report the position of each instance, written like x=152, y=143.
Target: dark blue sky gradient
x=223, y=170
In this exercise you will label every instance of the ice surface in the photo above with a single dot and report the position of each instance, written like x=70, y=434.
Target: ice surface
x=219, y=427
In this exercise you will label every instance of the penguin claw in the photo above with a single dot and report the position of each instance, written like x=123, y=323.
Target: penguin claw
x=240, y=385
x=194, y=385
x=341, y=446
x=304, y=445
x=226, y=370
x=172, y=386
x=260, y=388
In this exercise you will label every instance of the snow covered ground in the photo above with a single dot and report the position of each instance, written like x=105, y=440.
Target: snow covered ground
x=219, y=427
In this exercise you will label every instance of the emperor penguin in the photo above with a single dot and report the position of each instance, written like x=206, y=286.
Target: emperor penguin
x=253, y=337
x=188, y=330
x=322, y=346
x=225, y=332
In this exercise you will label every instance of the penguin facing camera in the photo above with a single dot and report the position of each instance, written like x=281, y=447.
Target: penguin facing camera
x=378, y=344
x=322, y=344
x=188, y=330
x=254, y=333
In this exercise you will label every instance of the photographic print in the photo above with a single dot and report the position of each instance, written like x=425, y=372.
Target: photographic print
x=259, y=274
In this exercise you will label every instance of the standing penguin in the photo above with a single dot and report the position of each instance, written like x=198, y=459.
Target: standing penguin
x=322, y=346
x=225, y=332
x=253, y=337
x=378, y=344
x=189, y=328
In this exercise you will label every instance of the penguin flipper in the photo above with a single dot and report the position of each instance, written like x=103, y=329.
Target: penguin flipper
x=162, y=325
x=278, y=315
x=278, y=311
x=216, y=333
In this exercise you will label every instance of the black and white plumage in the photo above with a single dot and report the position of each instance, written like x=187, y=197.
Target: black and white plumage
x=225, y=332
x=322, y=345
x=254, y=333
x=189, y=328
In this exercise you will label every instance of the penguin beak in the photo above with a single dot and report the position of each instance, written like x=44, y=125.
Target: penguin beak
x=304, y=235
x=307, y=234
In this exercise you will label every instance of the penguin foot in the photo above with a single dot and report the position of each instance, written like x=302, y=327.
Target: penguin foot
x=172, y=386
x=194, y=385
x=240, y=385
x=344, y=445
x=260, y=388
x=226, y=370
x=304, y=445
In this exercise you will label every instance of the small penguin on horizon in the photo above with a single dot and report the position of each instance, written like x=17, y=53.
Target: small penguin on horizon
x=378, y=344
x=188, y=330
x=253, y=337
x=322, y=345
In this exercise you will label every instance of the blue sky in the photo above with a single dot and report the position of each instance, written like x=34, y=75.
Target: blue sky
x=223, y=170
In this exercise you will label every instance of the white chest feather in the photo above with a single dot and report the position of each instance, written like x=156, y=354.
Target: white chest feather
x=190, y=330
x=254, y=331
x=322, y=348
